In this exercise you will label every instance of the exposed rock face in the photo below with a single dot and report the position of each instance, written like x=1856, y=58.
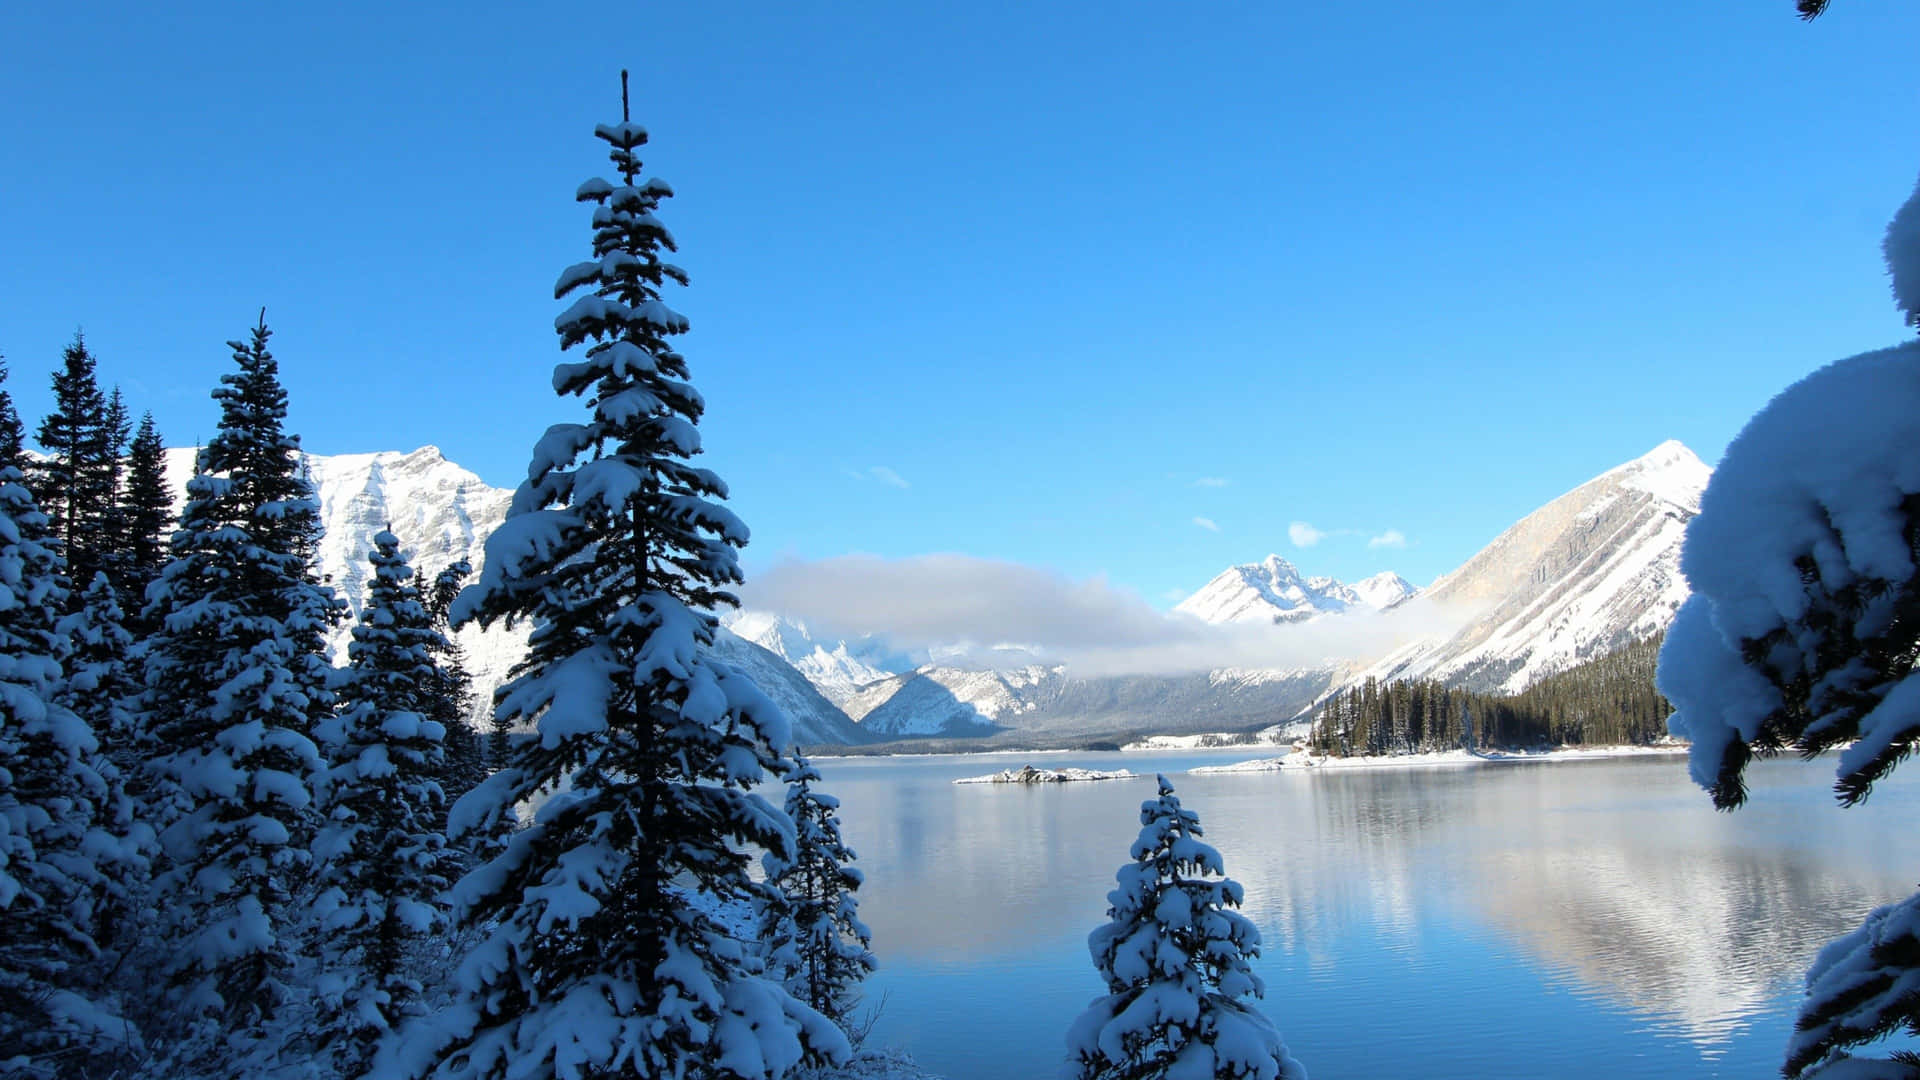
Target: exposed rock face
x=442, y=514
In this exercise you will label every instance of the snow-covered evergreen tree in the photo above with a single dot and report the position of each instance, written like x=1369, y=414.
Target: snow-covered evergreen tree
x=146, y=518
x=74, y=484
x=382, y=853
x=1802, y=634
x=235, y=678
x=594, y=961
x=52, y=1023
x=116, y=430
x=449, y=696
x=101, y=690
x=13, y=436
x=815, y=940
x=1175, y=959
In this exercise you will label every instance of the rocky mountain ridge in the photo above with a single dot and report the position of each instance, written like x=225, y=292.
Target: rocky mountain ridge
x=1272, y=590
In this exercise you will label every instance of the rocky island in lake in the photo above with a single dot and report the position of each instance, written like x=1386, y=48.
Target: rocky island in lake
x=1027, y=774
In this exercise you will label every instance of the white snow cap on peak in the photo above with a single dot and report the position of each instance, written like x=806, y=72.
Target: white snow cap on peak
x=1669, y=471
x=1902, y=249
x=1273, y=590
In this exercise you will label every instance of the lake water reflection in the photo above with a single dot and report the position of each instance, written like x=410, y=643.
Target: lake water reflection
x=1567, y=920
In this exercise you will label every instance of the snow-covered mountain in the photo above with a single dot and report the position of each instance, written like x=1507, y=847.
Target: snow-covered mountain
x=817, y=721
x=1038, y=704
x=1383, y=590
x=443, y=513
x=1002, y=693
x=1589, y=572
x=1273, y=591
x=1586, y=573
x=837, y=669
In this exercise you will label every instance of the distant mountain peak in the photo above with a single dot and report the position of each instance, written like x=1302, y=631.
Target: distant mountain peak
x=1384, y=589
x=838, y=669
x=1272, y=590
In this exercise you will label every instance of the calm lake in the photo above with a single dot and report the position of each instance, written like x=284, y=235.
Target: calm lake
x=1579, y=919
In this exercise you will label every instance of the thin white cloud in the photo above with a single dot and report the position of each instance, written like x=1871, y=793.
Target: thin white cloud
x=888, y=477
x=1392, y=538
x=1304, y=535
x=1207, y=524
x=1212, y=482
x=1092, y=627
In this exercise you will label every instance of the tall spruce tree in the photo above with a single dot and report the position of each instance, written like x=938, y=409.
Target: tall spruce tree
x=596, y=960
x=235, y=677
x=52, y=1021
x=815, y=940
x=146, y=516
x=450, y=691
x=383, y=854
x=118, y=428
x=13, y=437
x=75, y=482
x=1175, y=960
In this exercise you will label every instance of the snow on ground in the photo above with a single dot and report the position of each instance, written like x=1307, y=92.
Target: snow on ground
x=1030, y=775
x=1301, y=759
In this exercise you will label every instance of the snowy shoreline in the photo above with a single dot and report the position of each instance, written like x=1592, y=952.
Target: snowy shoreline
x=1300, y=760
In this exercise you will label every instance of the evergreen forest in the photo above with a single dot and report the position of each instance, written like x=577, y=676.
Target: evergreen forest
x=1610, y=700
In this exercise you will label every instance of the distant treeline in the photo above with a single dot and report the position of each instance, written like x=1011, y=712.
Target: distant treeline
x=1608, y=701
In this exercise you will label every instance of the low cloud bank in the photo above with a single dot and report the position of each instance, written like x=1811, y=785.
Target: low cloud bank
x=1093, y=627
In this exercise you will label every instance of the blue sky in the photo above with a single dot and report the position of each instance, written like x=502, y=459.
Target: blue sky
x=1048, y=286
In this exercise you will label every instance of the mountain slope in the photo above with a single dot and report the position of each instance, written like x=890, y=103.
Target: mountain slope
x=1038, y=705
x=1591, y=571
x=817, y=721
